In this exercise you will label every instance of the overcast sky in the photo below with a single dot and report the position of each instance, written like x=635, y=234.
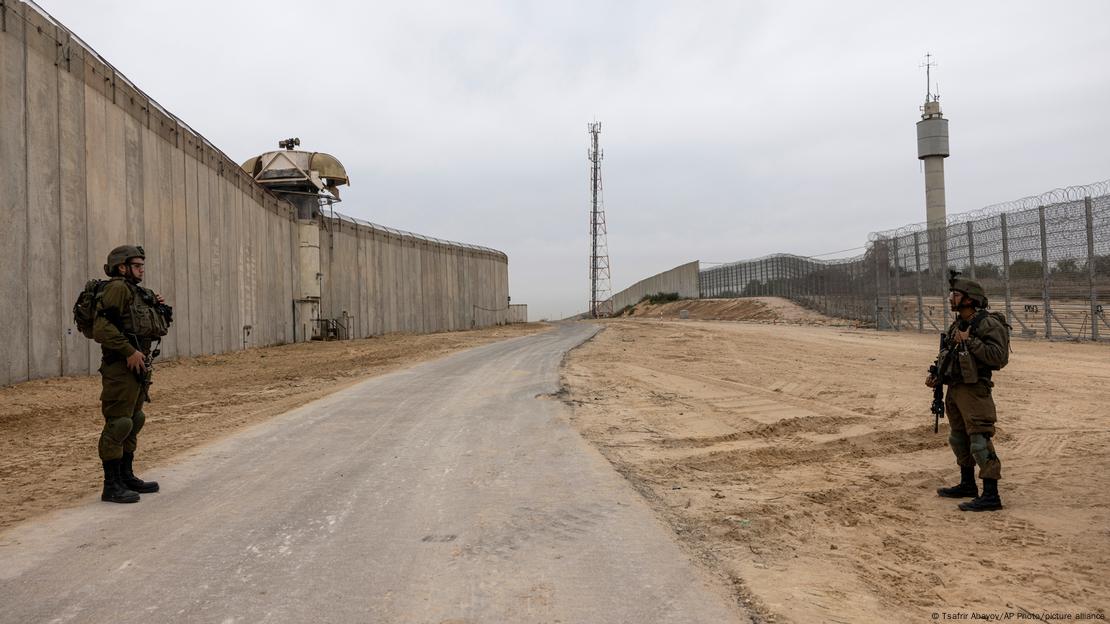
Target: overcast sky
x=731, y=129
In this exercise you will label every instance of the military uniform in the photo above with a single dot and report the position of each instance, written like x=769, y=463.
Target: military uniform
x=966, y=368
x=127, y=320
x=122, y=394
x=970, y=406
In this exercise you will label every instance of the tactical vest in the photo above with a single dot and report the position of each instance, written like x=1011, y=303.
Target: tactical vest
x=950, y=369
x=145, y=321
x=141, y=317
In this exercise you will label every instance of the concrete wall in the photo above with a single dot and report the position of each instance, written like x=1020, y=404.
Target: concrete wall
x=682, y=279
x=88, y=162
x=518, y=313
x=382, y=280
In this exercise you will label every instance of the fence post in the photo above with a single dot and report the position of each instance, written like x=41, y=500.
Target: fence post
x=878, y=290
x=792, y=288
x=942, y=271
x=897, y=312
x=823, y=287
x=917, y=278
x=971, y=249
x=1045, y=276
x=780, y=279
x=780, y=283
x=788, y=279
x=1006, y=267
x=1089, y=210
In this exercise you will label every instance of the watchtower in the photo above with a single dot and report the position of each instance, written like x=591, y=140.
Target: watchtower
x=310, y=181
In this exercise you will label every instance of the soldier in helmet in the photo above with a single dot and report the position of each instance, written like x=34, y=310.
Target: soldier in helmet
x=128, y=320
x=977, y=343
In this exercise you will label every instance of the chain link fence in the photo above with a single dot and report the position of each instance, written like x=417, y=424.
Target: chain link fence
x=1043, y=260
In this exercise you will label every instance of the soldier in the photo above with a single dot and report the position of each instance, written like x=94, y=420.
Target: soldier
x=128, y=320
x=977, y=344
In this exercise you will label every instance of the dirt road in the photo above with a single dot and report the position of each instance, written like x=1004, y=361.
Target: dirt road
x=49, y=427
x=452, y=491
x=801, y=461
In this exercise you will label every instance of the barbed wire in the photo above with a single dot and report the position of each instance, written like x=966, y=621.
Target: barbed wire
x=1046, y=199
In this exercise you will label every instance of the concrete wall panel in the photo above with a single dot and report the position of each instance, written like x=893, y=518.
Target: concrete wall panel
x=134, y=186
x=75, y=266
x=44, y=300
x=228, y=330
x=168, y=253
x=222, y=266
x=152, y=216
x=193, y=253
x=365, y=277
x=96, y=193
x=13, y=200
x=235, y=210
x=119, y=231
x=281, y=299
x=248, y=273
x=203, y=291
x=518, y=313
x=682, y=279
x=181, y=330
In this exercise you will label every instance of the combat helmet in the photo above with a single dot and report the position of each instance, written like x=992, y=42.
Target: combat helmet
x=122, y=254
x=969, y=287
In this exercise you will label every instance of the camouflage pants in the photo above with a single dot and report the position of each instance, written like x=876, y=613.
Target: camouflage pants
x=121, y=402
x=971, y=418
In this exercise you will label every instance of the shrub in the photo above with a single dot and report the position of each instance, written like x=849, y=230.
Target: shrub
x=660, y=297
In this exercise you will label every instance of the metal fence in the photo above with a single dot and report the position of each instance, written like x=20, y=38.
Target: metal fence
x=1043, y=260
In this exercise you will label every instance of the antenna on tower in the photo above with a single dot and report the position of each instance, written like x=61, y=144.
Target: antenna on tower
x=928, y=65
x=601, y=301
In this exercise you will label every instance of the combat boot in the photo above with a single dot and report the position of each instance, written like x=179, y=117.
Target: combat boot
x=989, y=501
x=127, y=476
x=114, y=490
x=966, y=487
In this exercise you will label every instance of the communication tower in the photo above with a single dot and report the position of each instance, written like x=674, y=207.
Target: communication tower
x=932, y=148
x=601, y=302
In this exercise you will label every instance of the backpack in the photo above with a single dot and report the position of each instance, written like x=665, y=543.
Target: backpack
x=84, y=310
x=1001, y=318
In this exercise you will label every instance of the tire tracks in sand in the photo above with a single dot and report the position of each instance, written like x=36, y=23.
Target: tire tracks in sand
x=801, y=462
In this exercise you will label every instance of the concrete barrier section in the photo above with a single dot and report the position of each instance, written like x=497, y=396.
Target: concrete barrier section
x=518, y=313
x=682, y=279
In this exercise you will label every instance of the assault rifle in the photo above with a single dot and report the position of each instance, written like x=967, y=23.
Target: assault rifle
x=949, y=351
x=937, y=407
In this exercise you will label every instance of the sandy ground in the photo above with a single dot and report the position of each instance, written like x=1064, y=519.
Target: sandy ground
x=49, y=428
x=773, y=310
x=801, y=462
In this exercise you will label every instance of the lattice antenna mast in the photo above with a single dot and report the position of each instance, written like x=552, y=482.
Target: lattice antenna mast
x=601, y=303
